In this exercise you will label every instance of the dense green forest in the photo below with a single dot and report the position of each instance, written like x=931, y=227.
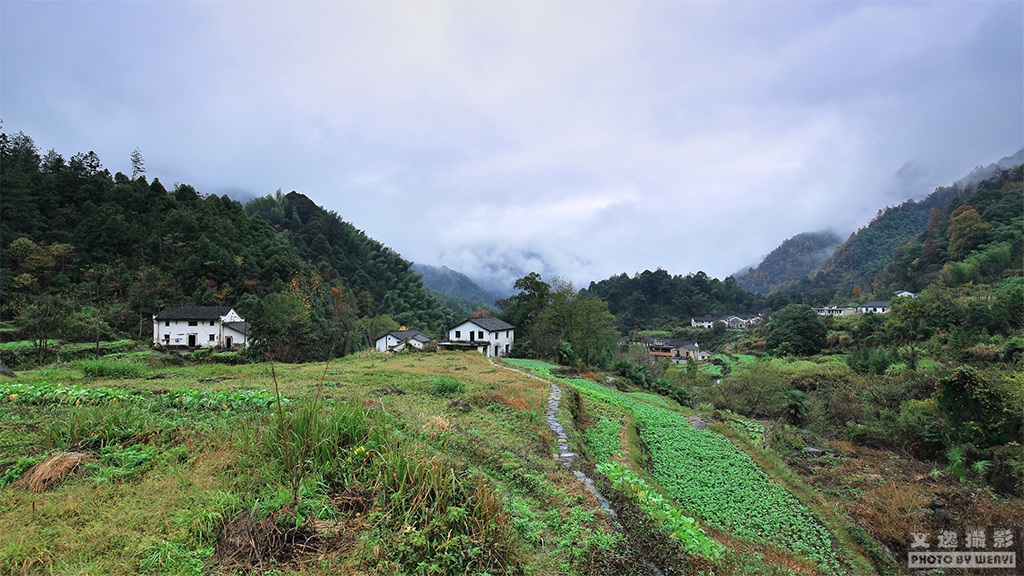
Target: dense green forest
x=867, y=251
x=978, y=238
x=661, y=300
x=110, y=250
x=793, y=260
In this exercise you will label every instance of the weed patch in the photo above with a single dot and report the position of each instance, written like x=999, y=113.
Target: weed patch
x=446, y=386
x=118, y=368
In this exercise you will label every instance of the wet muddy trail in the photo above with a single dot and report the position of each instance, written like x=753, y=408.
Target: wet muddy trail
x=565, y=456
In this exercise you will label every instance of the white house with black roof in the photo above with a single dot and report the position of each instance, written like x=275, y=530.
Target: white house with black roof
x=397, y=340
x=192, y=327
x=487, y=335
x=874, y=307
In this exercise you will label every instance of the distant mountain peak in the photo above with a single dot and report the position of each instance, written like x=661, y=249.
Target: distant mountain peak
x=792, y=261
x=980, y=173
x=453, y=283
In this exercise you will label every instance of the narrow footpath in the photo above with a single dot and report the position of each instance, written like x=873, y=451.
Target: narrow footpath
x=563, y=454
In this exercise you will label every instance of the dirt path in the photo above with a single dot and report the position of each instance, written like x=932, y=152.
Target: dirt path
x=563, y=454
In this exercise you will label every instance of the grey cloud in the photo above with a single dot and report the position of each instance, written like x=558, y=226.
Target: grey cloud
x=572, y=139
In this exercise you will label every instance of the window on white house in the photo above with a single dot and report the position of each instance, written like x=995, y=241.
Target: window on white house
x=167, y=322
x=480, y=335
x=211, y=322
x=458, y=333
x=193, y=323
x=211, y=337
x=167, y=337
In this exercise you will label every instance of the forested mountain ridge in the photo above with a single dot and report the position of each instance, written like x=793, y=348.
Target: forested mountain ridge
x=382, y=280
x=660, y=300
x=977, y=239
x=130, y=246
x=868, y=250
x=858, y=264
x=452, y=283
x=855, y=264
x=980, y=173
x=119, y=248
x=792, y=261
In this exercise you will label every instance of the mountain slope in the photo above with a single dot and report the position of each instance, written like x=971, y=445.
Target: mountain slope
x=792, y=261
x=383, y=282
x=452, y=283
x=869, y=250
x=978, y=239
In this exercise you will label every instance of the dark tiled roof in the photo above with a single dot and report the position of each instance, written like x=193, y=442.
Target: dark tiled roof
x=193, y=313
x=491, y=323
x=875, y=304
x=242, y=327
x=404, y=335
x=706, y=318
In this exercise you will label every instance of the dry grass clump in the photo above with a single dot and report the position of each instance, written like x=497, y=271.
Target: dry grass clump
x=438, y=425
x=52, y=471
x=513, y=401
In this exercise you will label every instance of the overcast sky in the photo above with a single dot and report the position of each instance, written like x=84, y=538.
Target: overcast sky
x=580, y=139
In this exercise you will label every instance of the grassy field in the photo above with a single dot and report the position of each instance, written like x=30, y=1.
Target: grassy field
x=437, y=463
x=418, y=464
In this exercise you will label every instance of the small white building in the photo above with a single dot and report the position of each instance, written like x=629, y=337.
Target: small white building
x=487, y=335
x=874, y=307
x=704, y=321
x=200, y=327
x=836, y=311
x=397, y=340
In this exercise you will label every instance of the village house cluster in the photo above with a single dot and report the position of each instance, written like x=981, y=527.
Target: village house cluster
x=730, y=320
x=675, y=350
x=220, y=327
x=487, y=335
x=873, y=307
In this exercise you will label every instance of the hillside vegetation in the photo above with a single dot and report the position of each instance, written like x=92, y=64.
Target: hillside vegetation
x=657, y=299
x=115, y=249
x=791, y=262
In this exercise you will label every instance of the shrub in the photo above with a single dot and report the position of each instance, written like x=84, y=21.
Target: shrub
x=446, y=386
x=869, y=360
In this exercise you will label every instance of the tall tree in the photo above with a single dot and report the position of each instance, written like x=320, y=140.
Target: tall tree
x=138, y=164
x=796, y=330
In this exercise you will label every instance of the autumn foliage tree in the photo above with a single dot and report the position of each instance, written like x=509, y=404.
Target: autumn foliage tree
x=966, y=231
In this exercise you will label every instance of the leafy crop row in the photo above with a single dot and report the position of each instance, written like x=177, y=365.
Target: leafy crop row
x=47, y=393
x=679, y=526
x=714, y=479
